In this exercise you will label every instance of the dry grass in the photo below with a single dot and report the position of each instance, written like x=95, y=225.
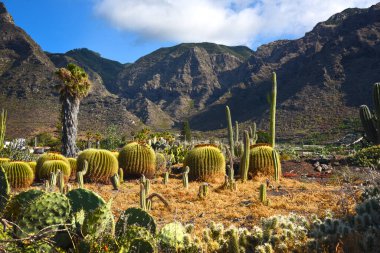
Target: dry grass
x=240, y=208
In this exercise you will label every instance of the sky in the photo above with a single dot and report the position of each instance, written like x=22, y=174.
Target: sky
x=125, y=30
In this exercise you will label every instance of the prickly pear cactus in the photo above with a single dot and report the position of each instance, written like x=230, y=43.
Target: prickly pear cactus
x=261, y=160
x=48, y=209
x=82, y=199
x=206, y=163
x=4, y=190
x=102, y=164
x=73, y=166
x=171, y=235
x=126, y=240
x=135, y=217
x=99, y=222
x=54, y=166
x=18, y=203
x=48, y=157
x=141, y=245
x=138, y=159
x=19, y=174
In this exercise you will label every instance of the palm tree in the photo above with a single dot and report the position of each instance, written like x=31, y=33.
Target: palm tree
x=74, y=88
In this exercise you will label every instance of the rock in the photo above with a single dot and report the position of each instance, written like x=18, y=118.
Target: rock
x=316, y=164
x=319, y=169
x=324, y=167
x=328, y=171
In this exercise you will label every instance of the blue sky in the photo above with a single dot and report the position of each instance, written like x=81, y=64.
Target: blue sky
x=125, y=30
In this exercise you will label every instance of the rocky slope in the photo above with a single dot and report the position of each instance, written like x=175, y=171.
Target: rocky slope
x=27, y=88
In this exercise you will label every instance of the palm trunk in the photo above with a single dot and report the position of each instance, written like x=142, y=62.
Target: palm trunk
x=70, y=109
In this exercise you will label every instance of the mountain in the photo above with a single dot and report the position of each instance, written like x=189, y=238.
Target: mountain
x=322, y=79
x=27, y=87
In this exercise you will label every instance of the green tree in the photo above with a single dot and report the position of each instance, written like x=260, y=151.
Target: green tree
x=74, y=87
x=186, y=132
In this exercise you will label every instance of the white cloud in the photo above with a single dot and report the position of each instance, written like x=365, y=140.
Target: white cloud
x=230, y=22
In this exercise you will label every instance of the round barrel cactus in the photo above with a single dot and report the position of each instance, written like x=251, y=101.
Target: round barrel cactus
x=73, y=166
x=53, y=166
x=4, y=160
x=102, y=164
x=33, y=166
x=206, y=162
x=19, y=174
x=138, y=159
x=49, y=157
x=261, y=160
x=115, y=153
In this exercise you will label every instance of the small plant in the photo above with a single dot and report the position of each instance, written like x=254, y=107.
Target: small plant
x=115, y=181
x=203, y=191
x=185, y=177
x=263, y=194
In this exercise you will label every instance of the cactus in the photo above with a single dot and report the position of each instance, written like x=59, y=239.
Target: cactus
x=229, y=182
x=230, y=131
x=49, y=157
x=276, y=165
x=138, y=159
x=52, y=182
x=115, y=182
x=261, y=160
x=141, y=245
x=86, y=200
x=115, y=153
x=4, y=190
x=160, y=162
x=245, y=158
x=61, y=182
x=185, y=177
x=19, y=174
x=143, y=200
x=102, y=164
x=121, y=175
x=3, y=125
x=172, y=236
x=33, y=166
x=135, y=217
x=146, y=184
x=263, y=194
x=166, y=178
x=80, y=180
x=273, y=112
x=4, y=160
x=99, y=222
x=203, y=191
x=54, y=166
x=253, y=134
x=206, y=162
x=73, y=166
x=47, y=209
x=236, y=132
x=371, y=122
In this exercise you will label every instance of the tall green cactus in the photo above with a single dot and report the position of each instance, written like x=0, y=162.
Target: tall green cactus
x=236, y=132
x=263, y=194
x=102, y=164
x=230, y=131
x=245, y=158
x=206, y=162
x=19, y=174
x=3, y=125
x=371, y=122
x=203, y=191
x=253, y=134
x=138, y=159
x=273, y=112
x=276, y=165
x=185, y=177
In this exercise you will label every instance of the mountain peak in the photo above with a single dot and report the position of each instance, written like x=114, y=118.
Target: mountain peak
x=5, y=17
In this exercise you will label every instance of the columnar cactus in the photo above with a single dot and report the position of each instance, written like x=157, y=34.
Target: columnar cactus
x=276, y=165
x=253, y=134
x=138, y=159
x=54, y=166
x=236, y=132
x=102, y=164
x=273, y=112
x=166, y=178
x=19, y=174
x=371, y=122
x=244, y=165
x=206, y=162
x=121, y=175
x=263, y=194
x=230, y=131
x=3, y=125
x=203, y=191
x=261, y=160
x=229, y=182
x=185, y=177
x=115, y=182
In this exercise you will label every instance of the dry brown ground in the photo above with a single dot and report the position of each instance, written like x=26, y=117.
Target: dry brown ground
x=240, y=208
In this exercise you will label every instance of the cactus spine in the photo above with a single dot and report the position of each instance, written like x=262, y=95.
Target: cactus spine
x=3, y=123
x=263, y=194
x=277, y=168
x=273, y=111
x=185, y=177
x=115, y=181
x=230, y=131
x=245, y=158
x=371, y=122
